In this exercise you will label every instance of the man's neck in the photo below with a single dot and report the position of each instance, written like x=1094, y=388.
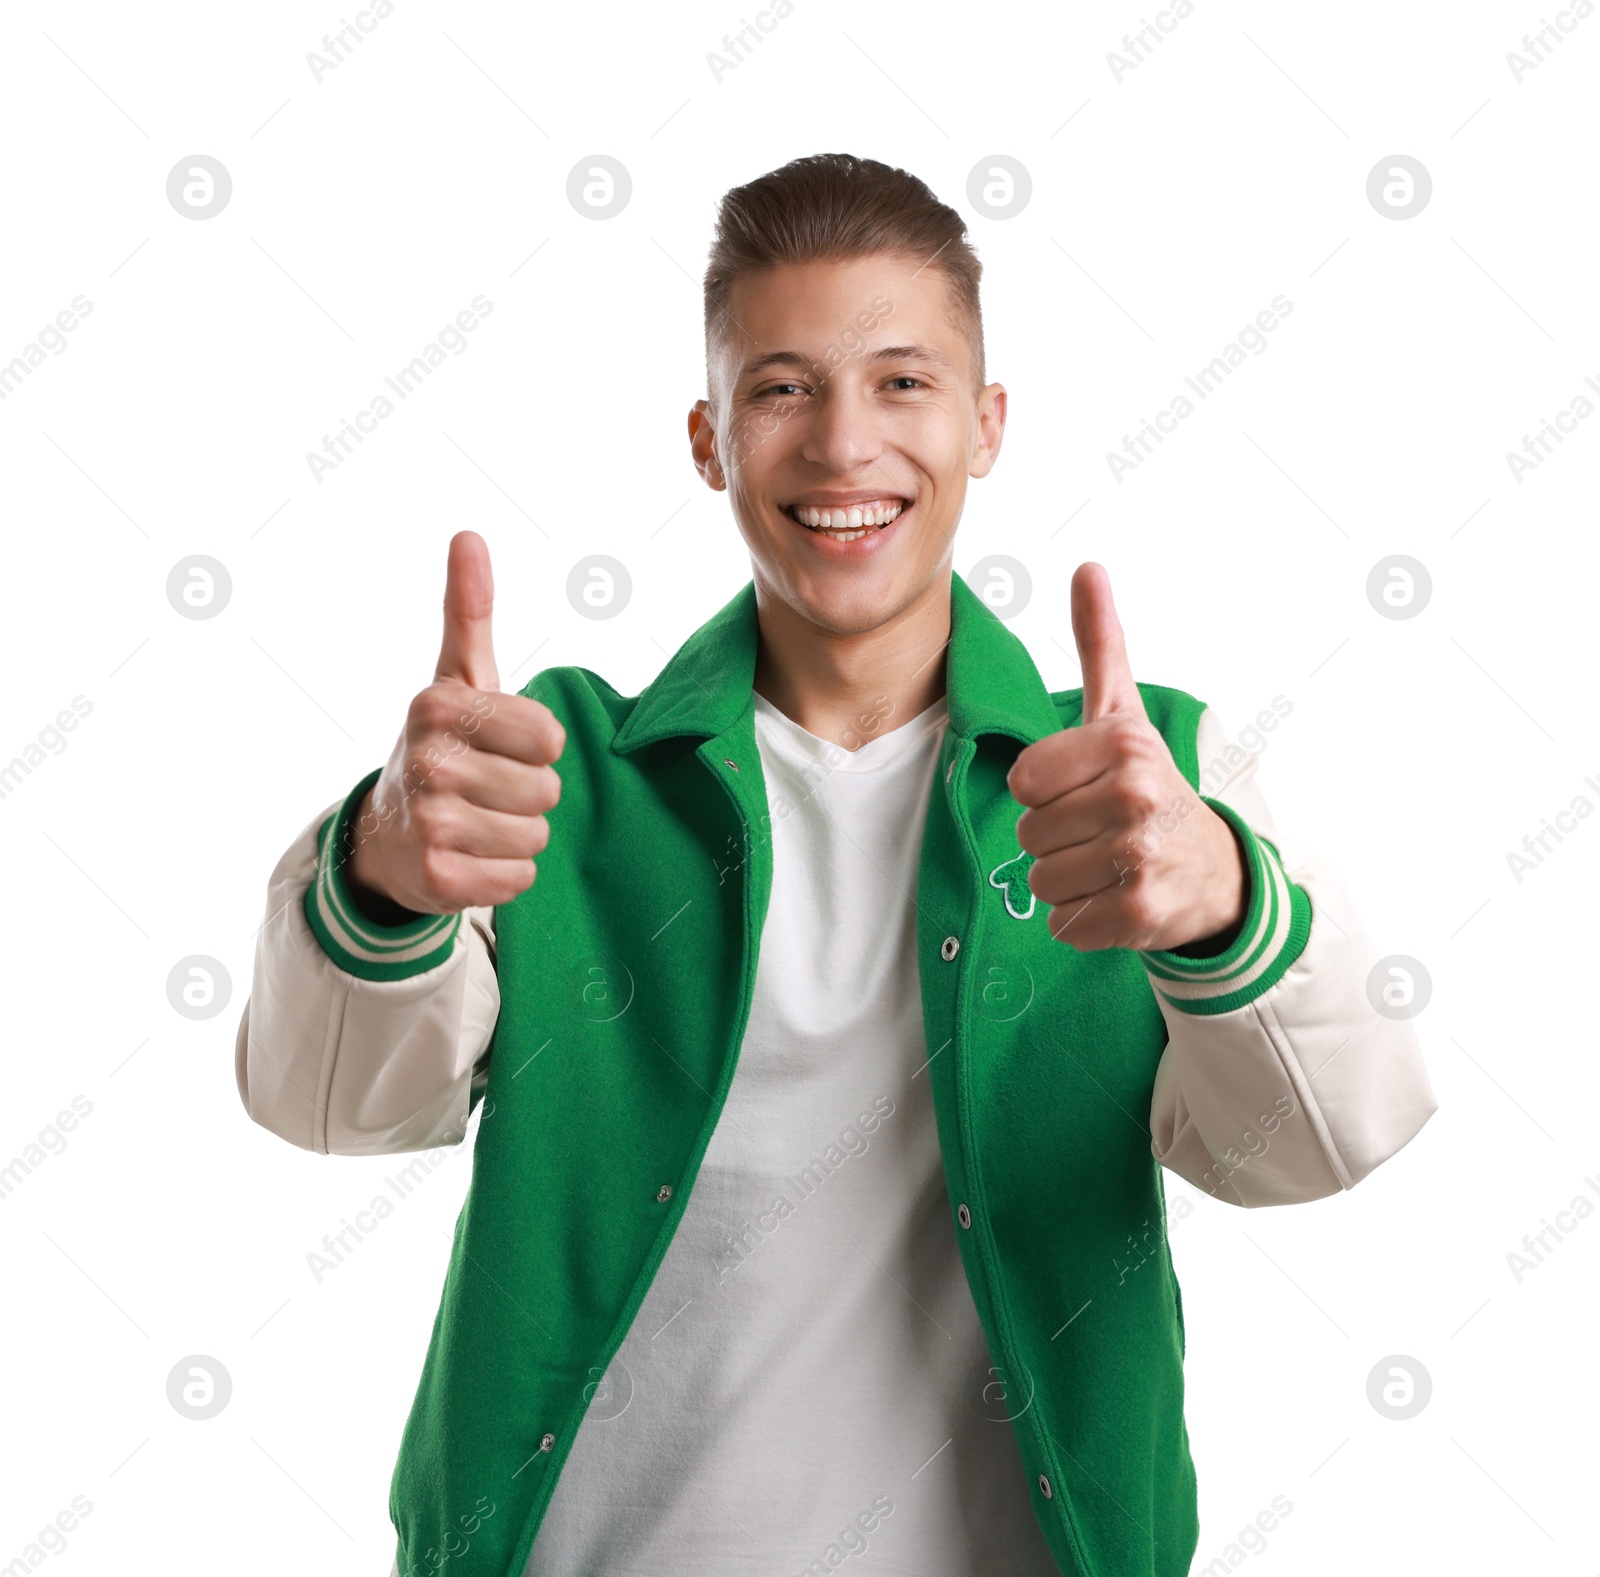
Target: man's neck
x=853, y=688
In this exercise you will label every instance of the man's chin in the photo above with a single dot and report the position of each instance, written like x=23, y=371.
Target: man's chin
x=851, y=599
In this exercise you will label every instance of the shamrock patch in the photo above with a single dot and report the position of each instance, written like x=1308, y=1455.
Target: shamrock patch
x=1011, y=877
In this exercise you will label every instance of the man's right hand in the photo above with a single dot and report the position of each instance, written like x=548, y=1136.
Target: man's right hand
x=458, y=814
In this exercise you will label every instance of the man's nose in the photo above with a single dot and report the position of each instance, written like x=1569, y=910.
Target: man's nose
x=842, y=434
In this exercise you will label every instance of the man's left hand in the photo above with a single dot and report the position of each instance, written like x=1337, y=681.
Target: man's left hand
x=1125, y=852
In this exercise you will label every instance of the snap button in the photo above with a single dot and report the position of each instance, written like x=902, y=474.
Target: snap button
x=664, y=1193
x=963, y=1215
x=547, y=1442
x=949, y=948
x=1044, y=1488
x=728, y=762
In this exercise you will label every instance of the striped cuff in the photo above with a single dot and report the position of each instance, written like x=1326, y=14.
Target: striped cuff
x=1277, y=925
x=356, y=944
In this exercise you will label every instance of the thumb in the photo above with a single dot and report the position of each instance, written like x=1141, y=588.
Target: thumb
x=467, y=651
x=1108, y=685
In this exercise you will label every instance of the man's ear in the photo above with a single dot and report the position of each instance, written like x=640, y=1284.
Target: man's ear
x=991, y=429
x=703, y=446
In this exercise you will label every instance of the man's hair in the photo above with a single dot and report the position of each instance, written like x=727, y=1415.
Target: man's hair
x=836, y=206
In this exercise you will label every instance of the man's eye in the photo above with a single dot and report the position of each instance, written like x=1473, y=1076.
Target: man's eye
x=784, y=389
x=906, y=378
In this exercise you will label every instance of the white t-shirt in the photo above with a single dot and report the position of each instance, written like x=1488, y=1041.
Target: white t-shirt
x=806, y=1386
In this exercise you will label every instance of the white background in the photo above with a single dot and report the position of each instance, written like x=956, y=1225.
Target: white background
x=1168, y=208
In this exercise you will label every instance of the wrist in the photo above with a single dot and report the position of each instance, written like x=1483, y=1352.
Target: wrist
x=363, y=873
x=362, y=861
x=394, y=945
x=1227, y=895
x=1271, y=937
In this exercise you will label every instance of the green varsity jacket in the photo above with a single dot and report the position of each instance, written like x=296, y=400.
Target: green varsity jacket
x=625, y=977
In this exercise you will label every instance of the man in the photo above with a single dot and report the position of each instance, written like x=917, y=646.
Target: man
x=831, y=1013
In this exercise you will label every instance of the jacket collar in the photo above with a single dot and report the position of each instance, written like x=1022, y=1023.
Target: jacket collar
x=705, y=687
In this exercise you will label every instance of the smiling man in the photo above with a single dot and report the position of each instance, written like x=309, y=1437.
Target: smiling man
x=831, y=1010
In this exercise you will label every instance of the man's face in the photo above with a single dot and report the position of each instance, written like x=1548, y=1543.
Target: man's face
x=845, y=392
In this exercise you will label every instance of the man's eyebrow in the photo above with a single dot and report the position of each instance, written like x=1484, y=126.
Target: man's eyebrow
x=795, y=358
x=775, y=358
x=911, y=353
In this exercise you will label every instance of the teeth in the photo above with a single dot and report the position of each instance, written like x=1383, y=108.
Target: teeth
x=854, y=518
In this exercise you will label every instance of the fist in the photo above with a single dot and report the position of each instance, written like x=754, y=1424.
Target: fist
x=1125, y=852
x=458, y=813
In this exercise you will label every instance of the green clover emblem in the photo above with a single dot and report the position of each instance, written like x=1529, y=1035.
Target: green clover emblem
x=1011, y=877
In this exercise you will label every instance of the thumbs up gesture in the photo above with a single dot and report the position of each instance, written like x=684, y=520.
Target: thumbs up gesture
x=1125, y=852
x=458, y=813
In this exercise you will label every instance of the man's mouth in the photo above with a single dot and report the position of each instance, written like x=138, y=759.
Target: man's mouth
x=848, y=522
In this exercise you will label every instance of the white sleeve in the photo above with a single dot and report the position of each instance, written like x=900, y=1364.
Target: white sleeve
x=1281, y=1081
x=346, y=1065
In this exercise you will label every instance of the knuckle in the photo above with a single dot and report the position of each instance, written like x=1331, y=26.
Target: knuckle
x=1140, y=912
x=432, y=710
x=552, y=736
x=435, y=824
x=471, y=708
x=1142, y=798
x=1133, y=736
x=416, y=772
x=552, y=796
x=447, y=776
x=1149, y=744
x=534, y=790
x=435, y=867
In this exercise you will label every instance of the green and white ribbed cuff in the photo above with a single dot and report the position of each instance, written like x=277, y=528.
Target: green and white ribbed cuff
x=356, y=944
x=1277, y=925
